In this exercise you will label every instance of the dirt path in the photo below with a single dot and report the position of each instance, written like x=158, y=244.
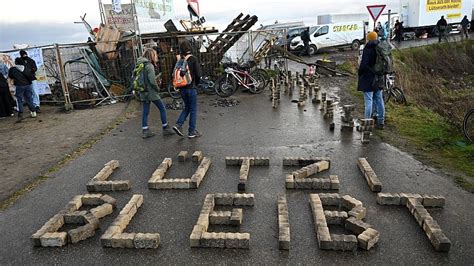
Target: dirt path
x=30, y=148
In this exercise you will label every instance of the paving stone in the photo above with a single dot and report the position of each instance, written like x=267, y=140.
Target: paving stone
x=75, y=204
x=123, y=240
x=237, y=240
x=56, y=239
x=325, y=183
x=91, y=199
x=440, y=242
x=220, y=217
x=290, y=182
x=356, y=226
x=224, y=199
x=372, y=180
x=197, y=156
x=405, y=196
x=335, y=217
x=236, y=216
x=420, y=214
x=334, y=180
x=305, y=183
x=182, y=156
x=102, y=210
x=324, y=238
x=412, y=204
x=303, y=161
x=76, y=217
x=368, y=238
x=433, y=201
x=284, y=242
x=358, y=212
x=109, y=199
x=330, y=199
x=343, y=242
x=180, y=183
x=195, y=237
x=322, y=166
x=106, y=239
x=121, y=185
x=388, y=199
x=146, y=240
x=243, y=199
x=430, y=226
x=106, y=171
x=81, y=233
x=261, y=161
x=349, y=202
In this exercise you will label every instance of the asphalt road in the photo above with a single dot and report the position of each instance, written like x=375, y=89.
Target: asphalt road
x=251, y=129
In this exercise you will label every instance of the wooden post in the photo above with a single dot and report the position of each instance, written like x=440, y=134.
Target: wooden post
x=67, y=100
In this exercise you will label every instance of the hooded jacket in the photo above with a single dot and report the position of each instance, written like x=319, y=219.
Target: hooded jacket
x=17, y=74
x=367, y=76
x=152, y=88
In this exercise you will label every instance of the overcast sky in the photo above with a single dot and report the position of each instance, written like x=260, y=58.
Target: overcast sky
x=39, y=22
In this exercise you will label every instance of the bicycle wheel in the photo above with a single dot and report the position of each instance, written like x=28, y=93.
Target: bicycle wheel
x=468, y=126
x=225, y=86
x=264, y=74
x=386, y=94
x=173, y=92
x=398, y=96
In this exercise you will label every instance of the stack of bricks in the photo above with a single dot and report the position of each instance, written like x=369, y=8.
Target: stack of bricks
x=245, y=163
x=329, y=109
x=276, y=90
x=301, y=179
x=99, y=182
x=317, y=92
x=416, y=204
x=158, y=180
x=114, y=236
x=49, y=236
x=373, y=181
x=366, y=127
x=302, y=98
x=323, y=101
x=364, y=236
x=200, y=237
x=283, y=224
x=347, y=118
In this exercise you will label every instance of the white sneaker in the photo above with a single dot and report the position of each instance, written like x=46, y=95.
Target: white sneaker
x=33, y=114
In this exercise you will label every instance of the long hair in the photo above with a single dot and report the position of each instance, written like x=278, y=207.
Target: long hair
x=185, y=47
x=151, y=55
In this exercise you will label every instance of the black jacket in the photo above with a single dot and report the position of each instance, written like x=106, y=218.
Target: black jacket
x=305, y=36
x=195, y=69
x=19, y=78
x=442, y=23
x=367, y=76
x=464, y=22
x=30, y=67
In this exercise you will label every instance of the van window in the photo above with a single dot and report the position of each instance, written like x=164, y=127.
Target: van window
x=321, y=31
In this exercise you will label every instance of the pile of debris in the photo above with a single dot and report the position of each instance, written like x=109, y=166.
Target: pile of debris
x=177, y=104
x=226, y=102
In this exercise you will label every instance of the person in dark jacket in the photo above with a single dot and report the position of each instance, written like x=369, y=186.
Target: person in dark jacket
x=306, y=39
x=150, y=95
x=442, y=26
x=399, y=31
x=30, y=70
x=6, y=100
x=189, y=92
x=464, y=27
x=24, y=88
x=370, y=83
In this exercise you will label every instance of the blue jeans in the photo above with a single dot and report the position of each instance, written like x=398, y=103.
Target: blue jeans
x=371, y=99
x=22, y=94
x=189, y=97
x=146, y=112
x=36, y=99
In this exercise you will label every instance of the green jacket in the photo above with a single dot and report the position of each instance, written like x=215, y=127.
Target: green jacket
x=150, y=82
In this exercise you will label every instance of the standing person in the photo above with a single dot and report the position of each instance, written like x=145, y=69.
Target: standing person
x=150, y=93
x=370, y=83
x=442, y=27
x=189, y=92
x=398, y=31
x=306, y=39
x=30, y=69
x=464, y=27
x=6, y=99
x=24, y=89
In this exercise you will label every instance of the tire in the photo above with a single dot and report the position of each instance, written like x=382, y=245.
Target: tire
x=398, y=96
x=312, y=50
x=209, y=88
x=264, y=73
x=468, y=126
x=386, y=94
x=355, y=45
x=225, y=86
x=173, y=92
x=261, y=80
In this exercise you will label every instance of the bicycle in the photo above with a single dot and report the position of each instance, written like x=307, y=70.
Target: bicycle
x=236, y=74
x=468, y=126
x=205, y=86
x=390, y=91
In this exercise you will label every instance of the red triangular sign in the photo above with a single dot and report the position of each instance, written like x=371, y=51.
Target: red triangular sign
x=375, y=11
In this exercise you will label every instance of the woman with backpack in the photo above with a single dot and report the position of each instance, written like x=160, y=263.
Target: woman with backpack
x=149, y=93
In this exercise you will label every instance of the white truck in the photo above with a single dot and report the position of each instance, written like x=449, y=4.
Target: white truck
x=421, y=16
x=342, y=34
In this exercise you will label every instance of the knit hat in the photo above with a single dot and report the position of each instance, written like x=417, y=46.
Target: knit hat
x=23, y=52
x=372, y=36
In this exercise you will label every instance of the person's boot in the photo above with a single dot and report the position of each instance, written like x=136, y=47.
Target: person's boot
x=20, y=118
x=146, y=133
x=167, y=131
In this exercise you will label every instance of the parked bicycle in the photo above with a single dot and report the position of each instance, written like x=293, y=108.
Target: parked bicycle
x=239, y=75
x=468, y=126
x=390, y=91
x=205, y=86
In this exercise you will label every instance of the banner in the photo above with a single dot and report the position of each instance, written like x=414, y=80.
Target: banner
x=441, y=5
x=41, y=84
x=116, y=6
x=122, y=20
x=152, y=14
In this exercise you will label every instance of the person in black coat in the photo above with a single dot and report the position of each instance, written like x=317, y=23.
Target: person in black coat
x=306, y=39
x=6, y=100
x=442, y=26
x=30, y=71
x=464, y=30
x=370, y=83
x=24, y=88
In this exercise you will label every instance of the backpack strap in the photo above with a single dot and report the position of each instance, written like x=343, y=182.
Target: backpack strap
x=187, y=57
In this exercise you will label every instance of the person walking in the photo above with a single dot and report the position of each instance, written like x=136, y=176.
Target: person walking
x=306, y=39
x=150, y=94
x=6, y=100
x=442, y=26
x=370, y=83
x=464, y=28
x=189, y=92
x=24, y=89
x=398, y=31
x=30, y=69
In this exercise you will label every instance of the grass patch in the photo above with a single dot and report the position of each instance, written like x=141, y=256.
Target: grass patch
x=127, y=114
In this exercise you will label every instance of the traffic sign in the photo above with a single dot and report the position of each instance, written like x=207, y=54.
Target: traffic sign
x=375, y=11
